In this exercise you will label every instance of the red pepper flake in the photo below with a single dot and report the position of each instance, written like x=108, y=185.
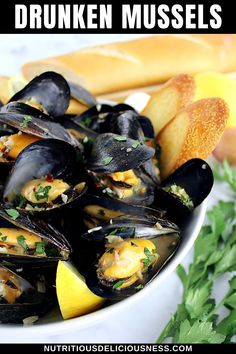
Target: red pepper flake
x=5, y=150
x=49, y=177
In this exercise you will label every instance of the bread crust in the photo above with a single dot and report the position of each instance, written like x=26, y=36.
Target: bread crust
x=194, y=132
x=142, y=62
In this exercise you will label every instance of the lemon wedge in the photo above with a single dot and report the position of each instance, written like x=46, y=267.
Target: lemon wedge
x=214, y=84
x=74, y=297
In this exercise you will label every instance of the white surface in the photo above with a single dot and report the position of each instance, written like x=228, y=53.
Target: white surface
x=138, y=322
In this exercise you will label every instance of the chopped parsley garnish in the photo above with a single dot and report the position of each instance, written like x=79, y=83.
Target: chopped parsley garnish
x=22, y=243
x=3, y=238
x=150, y=258
x=120, y=138
x=86, y=121
x=136, y=144
x=51, y=251
x=101, y=212
x=110, y=250
x=25, y=122
x=138, y=287
x=42, y=192
x=13, y=213
x=123, y=229
x=107, y=160
x=40, y=247
x=113, y=232
x=180, y=193
x=118, y=284
x=21, y=201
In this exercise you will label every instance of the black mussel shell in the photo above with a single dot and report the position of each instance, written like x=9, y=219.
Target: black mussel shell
x=166, y=240
x=80, y=94
x=146, y=126
x=37, y=160
x=95, y=118
x=32, y=121
x=29, y=303
x=108, y=206
x=40, y=227
x=196, y=178
x=127, y=124
x=132, y=226
x=110, y=153
x=122, y=107
x=50, y=90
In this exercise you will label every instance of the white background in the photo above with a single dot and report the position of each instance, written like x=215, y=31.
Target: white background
x=144, y=320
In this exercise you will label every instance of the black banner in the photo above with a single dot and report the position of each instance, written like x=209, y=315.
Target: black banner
x=156, y=16
x=115, y=348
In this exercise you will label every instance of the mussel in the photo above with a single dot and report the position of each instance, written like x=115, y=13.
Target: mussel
x=43, y=177
x=24, y=238
x=32, y=121
x=20, y=302
x=43, y=91
x=114, y=164
x=135, y=248
x=97, y=209
x=185, y=189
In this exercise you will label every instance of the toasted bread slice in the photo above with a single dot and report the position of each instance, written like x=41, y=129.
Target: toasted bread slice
x=194, y=132
x=173, y=96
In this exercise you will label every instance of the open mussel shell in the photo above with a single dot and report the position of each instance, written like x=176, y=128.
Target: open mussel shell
x=39, y=159
x=46, y=166
x=34, y=122
x=138, y=226
x=112, y=154
x=97, y=209
x=162, y=233
x=134, y=126
x=195, y=178
x=80, y=94
x=19, y=300
x=46, y=90
x=54, y=242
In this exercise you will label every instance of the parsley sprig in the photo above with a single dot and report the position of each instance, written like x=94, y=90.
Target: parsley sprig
x=196, y=319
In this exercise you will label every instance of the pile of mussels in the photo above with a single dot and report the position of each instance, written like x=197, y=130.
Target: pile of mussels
x=87, y=188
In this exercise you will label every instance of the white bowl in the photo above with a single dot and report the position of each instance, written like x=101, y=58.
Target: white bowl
x=53, y=324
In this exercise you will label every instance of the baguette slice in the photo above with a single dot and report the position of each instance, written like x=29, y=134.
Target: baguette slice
x=141, y=62
x=194, y=132
x=164, y=104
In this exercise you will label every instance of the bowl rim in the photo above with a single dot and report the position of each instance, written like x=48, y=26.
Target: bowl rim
x=88, y=320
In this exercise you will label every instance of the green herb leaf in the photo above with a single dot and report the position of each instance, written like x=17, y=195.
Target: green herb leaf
x=42, y=192
x=118, y=284
x=199, y=332
x=25, y=122
x=3, y=238
x=120, y=138
x=107, y=160
x=136, y=144
x=101, y=212
x=151, y=257
x=40, y=247
x=13, y=213
x=21, y=241
x=138, y=287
